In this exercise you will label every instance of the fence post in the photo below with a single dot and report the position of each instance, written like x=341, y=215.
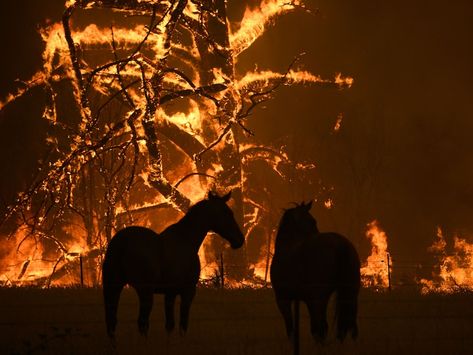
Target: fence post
x=295, y=340
x=81, y=271
x=389, y=271
x=222, y=271
x=268, y=258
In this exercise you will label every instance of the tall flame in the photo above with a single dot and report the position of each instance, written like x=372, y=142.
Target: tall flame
x=377, y=268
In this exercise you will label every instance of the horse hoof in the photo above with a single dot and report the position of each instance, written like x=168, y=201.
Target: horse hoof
x=182, y=332
x=143, y=329
x=319, y=339
x=111, y=335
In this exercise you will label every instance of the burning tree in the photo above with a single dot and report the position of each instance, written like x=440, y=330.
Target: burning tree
x=147, y=114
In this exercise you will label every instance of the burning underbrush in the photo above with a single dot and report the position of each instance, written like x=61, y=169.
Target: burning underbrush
x=454, y=269
x=28, y=265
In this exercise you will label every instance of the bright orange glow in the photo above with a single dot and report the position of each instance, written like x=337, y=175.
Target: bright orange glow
x=328, y=203
x=338, y=123
x=30, y=263
x=375, y=271
x=455, y=270
x=199, y=117
x=255, y=21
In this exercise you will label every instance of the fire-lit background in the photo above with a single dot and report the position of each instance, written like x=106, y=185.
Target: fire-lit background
x=387, y=159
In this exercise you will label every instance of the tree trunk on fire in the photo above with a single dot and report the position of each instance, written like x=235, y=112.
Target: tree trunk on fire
x=231, y=177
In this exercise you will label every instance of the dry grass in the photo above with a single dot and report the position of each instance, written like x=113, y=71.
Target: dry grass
x=70, y=321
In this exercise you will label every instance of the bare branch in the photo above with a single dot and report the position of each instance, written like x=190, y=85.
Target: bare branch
x=184, y=178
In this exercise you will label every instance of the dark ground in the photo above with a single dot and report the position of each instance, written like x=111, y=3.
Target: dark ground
x=70, y=321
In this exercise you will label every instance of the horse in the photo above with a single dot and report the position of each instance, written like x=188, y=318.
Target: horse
x=310, y=266
x=165, y=263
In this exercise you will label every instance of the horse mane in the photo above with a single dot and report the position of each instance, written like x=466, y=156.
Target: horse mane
x=195, y=211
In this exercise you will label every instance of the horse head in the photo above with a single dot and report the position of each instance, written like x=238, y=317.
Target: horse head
x=222, y=220
x=298, y=222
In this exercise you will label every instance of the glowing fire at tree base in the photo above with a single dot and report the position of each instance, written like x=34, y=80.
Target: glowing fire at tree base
x=377, y=269
x=455, y=270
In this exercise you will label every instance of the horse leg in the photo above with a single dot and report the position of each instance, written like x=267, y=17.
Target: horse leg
x=111, y=296
x=284, y=306
x=347, y=309
x=317, y=308
x=186, y=301
x=169, y=299
x=145, y=295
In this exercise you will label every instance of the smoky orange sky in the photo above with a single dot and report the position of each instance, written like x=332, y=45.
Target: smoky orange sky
x=404, y=153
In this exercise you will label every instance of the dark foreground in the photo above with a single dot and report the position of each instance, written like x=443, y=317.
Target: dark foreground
x=70, y=321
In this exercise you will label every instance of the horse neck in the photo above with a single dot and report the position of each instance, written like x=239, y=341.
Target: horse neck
x=193, y=228
x=289, y=239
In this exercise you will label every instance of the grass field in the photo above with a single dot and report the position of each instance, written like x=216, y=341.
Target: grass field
x=70, y=321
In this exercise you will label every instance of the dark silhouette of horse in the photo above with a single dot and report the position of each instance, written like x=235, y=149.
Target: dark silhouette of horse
x=165, y=263
x=309, y=266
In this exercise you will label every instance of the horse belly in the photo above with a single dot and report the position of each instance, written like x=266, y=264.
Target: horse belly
x=133, y=257
x=285, y=278
x=178, y=275
x=303, y=277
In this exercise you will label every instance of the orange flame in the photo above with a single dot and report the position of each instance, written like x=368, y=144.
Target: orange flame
x=29, y=263
x=376, y=271
x=338, y=123
x=255, y=22
x=455, y=271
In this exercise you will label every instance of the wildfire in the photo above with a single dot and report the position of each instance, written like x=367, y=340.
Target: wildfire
x=149, y=153
x=455, y=270
x=27, y=262
x=376, y=270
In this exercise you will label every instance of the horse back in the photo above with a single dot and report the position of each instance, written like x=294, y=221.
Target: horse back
x=138, y=256
x=132, y=256
x=333, y=252
x=323, y=261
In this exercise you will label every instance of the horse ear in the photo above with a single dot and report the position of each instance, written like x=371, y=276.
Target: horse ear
x=227, y=196
x=308, y=205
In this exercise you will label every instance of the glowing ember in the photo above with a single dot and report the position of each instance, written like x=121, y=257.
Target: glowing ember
x=328, y=203
x=376, y=270
x=338, y=123
x=455, y=270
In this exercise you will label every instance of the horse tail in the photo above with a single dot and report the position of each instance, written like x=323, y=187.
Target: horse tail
x=346, y=312
x=112, y=286
x=347, y=298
